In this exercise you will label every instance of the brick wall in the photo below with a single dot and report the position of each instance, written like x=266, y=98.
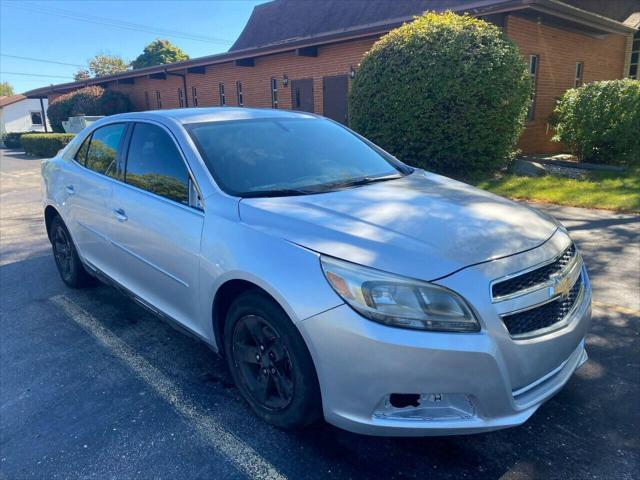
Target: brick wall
x=559, y=50
x=256, y=81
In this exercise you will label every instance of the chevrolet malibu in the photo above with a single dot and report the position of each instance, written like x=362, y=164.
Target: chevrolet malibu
x=338, y=282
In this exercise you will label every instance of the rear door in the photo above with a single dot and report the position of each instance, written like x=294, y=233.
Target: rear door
x=157, y=224
x=302, y=95
x=88, y=186
x=334, y=98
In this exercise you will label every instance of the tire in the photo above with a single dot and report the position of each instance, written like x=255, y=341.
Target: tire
x=69, y=266
x=270, y=363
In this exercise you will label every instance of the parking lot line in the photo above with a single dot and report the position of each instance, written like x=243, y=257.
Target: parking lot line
x=616, y=308
x=245, y=458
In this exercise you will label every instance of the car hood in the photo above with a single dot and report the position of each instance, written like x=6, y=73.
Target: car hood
x=422, y=225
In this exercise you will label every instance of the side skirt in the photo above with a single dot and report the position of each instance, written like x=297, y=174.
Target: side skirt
x=104, y=278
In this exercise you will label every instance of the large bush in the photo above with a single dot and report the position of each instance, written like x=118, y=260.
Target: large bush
x=445, y=92
x=45, y=144
x=11, y=140
x=92, y=100
x=600, y=121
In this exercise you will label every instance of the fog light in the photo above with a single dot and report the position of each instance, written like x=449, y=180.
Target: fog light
x=425, y=406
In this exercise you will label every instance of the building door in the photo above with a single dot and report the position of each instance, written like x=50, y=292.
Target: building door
x=334, y=98
x=302, y=95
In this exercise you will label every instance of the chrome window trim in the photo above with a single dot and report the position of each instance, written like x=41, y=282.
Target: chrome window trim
x=538, y=286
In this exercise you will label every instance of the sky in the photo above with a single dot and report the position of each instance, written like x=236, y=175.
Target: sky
x=73, y=31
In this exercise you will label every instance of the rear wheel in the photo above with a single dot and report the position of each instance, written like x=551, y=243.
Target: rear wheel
x=270, y=363
x=65, y=254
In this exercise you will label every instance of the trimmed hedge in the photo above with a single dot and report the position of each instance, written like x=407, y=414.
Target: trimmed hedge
x=12, y=140
x=45, y=144
x=600, y=121
x=445, y=92
x=92, y=100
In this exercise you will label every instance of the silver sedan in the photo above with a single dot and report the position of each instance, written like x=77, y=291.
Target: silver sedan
x=338, y=282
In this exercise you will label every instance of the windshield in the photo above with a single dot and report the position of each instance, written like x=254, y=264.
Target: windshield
x=289, y=156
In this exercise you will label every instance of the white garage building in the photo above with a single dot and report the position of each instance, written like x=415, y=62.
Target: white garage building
x=21, y=114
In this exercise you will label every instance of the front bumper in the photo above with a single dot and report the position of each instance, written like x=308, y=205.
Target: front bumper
x=360, y=363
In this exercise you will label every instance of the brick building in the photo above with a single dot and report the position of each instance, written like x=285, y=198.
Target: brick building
x=304, y=55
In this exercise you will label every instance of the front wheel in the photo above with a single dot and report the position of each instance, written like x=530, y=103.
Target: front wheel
x=270, y=362
x=65, y=254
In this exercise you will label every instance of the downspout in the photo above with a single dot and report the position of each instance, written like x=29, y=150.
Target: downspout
x=184, y=85
x=44, y=117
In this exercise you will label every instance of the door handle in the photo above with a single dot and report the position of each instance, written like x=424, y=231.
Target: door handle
x=120, y=214
x=70, y=189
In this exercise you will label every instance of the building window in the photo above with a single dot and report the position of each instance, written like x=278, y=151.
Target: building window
x=635, y=52
x=194, y=96
x=534, y=61
x=239, y=96
x=36, y=118
x=578, y=80
x=274, y=93
x=223, y=101
x=158, y=99
x=146, y=100
x=180, y=98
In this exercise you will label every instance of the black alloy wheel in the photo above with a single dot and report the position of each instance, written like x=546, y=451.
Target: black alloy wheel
x=270, y=362
x=62, y=252
x=66, y=257
x=263, y=362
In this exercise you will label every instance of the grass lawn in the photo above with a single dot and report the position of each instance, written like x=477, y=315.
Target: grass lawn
x=610, y=191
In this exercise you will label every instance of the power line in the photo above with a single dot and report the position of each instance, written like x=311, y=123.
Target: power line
x=41, y=60
x=117, y=23
x=35, y=75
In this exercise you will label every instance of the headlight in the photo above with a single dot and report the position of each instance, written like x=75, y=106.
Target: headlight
x=398, y=301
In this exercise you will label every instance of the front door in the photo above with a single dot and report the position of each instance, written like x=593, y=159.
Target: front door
x=156, y=231
x=334, y=98
x=302, y=95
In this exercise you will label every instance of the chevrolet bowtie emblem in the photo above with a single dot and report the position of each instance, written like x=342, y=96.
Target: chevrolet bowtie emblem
x=563, y=286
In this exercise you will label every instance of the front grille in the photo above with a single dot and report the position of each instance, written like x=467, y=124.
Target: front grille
x=534, y=277
x=545, y=315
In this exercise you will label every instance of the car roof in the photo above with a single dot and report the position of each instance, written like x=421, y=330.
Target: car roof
x=214, y=114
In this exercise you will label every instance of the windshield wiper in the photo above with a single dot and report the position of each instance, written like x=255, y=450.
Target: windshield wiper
x=283, y=192
x=290, y=192
x=358, y=181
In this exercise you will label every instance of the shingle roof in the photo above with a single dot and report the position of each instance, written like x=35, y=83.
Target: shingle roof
x=4, y=101
x=283, y=20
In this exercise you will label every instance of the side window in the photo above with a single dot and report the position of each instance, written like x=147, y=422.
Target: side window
x=81, y=154
x=102, y=156
x=155, y=164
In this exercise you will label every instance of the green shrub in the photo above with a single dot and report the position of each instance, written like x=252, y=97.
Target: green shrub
x=445, y=92
x=92, y=100
x=45, y=144
x=600, y=121
x=11, y=140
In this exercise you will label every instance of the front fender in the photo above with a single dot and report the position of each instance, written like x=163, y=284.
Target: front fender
x=291, y=274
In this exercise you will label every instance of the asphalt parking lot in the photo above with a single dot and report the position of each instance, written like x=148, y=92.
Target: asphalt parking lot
x=92, y=386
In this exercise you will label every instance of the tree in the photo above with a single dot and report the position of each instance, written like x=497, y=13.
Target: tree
x=91, y=100
x=82, y=74
x=445, y=92
x=100, y=65
x=159, y=52
x=6, y=89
